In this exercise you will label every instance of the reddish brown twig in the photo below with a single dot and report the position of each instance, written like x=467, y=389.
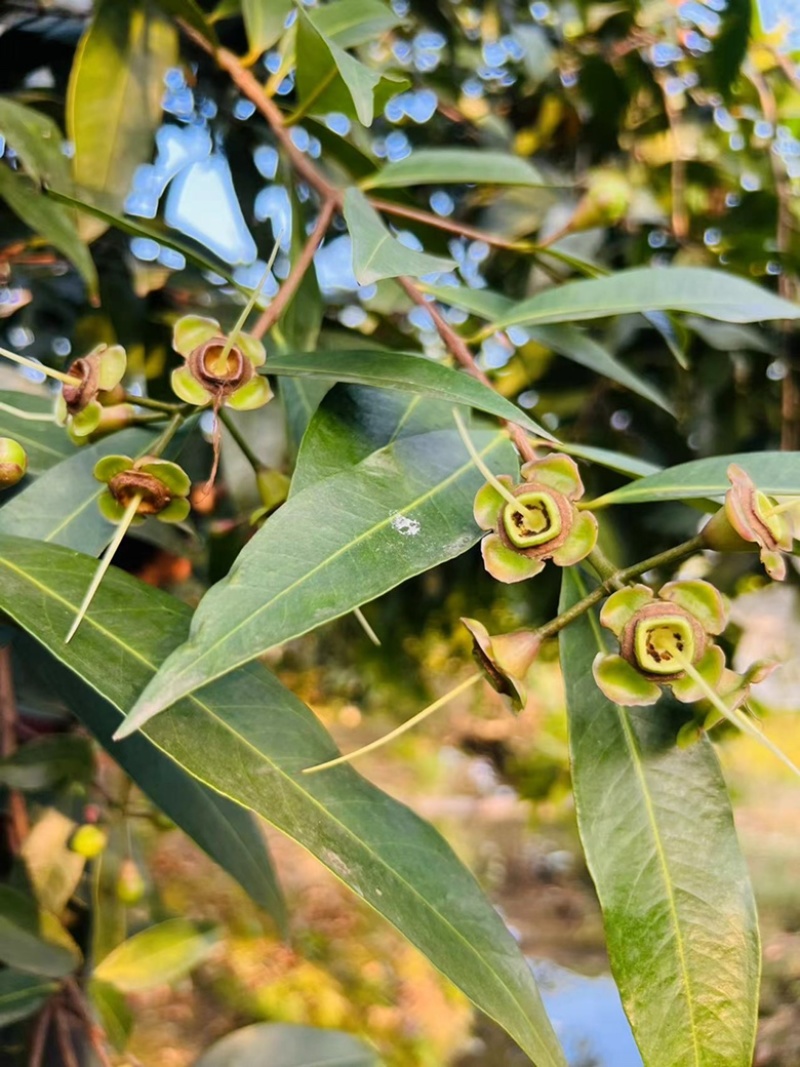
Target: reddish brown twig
x=64, y=1037
x=93, y=1031
x=458, y=346
x=40, y=1031
x=460, y=229
x=270, y=315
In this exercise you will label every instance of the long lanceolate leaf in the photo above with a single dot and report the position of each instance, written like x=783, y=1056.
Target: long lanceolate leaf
x=249, y=737
x=405, y=373
x=682, y=934
x=401, y=511
x=693, y=289
x=777, y=473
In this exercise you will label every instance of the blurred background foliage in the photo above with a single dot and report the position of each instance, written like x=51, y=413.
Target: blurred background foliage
x=665, y=133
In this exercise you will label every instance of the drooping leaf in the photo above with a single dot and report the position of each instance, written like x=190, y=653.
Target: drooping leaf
x=353, y=421
x=401, y=511
x=50, y=221
x=264, y=21
x=34, y=941
x=153, y=231
x=646, y=811
x=440, y=166
x=159, y=955
x=615, y=461
x=61, y=505
x=21, y=995
x=115, y=1015
x=281, y=1045
x=376, y=254
x=405, y=373
x=249, y=736
x=37, y=140
x=697, y=290
x=330, y=79
x=45, y=443
x=773, y=472
x=115, y=91
x=563, y=338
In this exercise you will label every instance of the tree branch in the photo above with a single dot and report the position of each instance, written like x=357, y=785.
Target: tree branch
x=270, y=315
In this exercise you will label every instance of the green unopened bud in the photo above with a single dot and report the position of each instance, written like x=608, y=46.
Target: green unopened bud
x=130, y=883
x=88, y=841
x=13, y=462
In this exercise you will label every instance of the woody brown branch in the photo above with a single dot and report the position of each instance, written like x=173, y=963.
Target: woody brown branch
x=332, y=198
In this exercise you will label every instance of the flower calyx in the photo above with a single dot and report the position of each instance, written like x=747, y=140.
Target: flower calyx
x=13, y=462
x=750, y=520
x=504, y=659
x=218, y=370
x=80, y=406
x=657, y=633
x=161, y=486
x=545, y=524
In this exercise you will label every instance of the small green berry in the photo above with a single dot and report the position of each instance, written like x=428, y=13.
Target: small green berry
x=88, y=841
x=130, y=883
x=13, y=462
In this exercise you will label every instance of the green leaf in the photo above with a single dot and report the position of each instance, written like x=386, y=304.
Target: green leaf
x=116, y=1017
x=773, y=472
x=50, y=221
x=440, y=166
x=224, y=830
x=615, y=461
x=264, y=21
x=565, y=339
x=45, y=443
x=353, y=421
x=300, y=398
x=400, y=512
x=693, y=289
x=154, y=231
x=249, y=736
x=115, y=91
x=330, y=79
x=157, y=956
x=61, y=505
x=376, y=254
x=21, y=995
x=406, y=373
x=37, y=140
x=351, y=23
x=34, y=941
x=281, y=1045
x=659, y=839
